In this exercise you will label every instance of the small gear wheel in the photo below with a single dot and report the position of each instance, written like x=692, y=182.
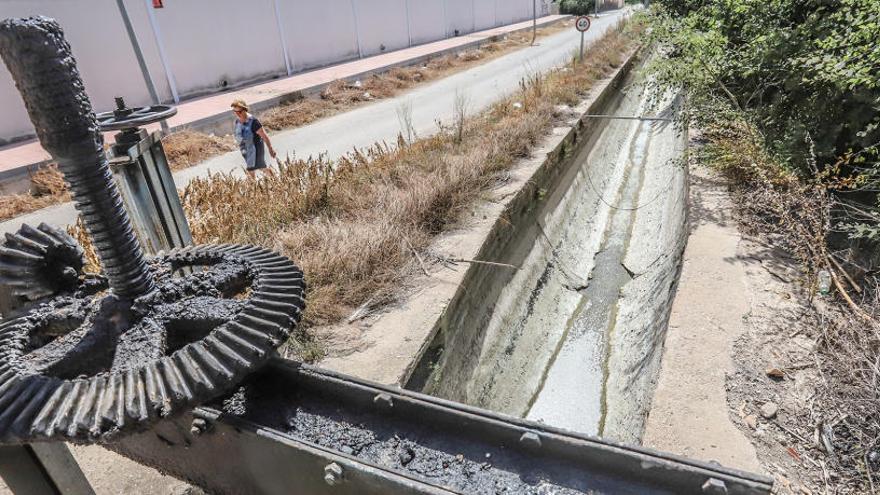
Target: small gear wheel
x=39, y=262
x=86, y=365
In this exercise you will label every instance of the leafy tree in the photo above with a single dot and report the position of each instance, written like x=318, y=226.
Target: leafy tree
x=806, y=73
x=577, y=7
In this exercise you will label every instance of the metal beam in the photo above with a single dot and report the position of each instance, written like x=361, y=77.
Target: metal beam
x=295, y=428
x=408, y=26
x=160, y=45
x=283, y=38
x=138, y=54
x=147, y=187
x=357, y=28
x=40, y=469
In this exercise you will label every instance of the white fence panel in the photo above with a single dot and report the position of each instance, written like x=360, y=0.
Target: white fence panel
x=512, y=11
x=215, y=44
x=459, y=17
x=102, y=51
x=485, y=14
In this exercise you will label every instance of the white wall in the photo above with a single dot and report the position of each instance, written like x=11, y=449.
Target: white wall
x=459, y=16
x=107, y=65
x=210, y=41
x=510, y=11
x=426, y=20
x=484, y=14
x=318, y=32
x=382, y=23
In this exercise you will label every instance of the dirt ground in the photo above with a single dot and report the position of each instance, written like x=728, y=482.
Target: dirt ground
x=772, y=396
x=739, y=377
x=111, y=474
x=771, y=393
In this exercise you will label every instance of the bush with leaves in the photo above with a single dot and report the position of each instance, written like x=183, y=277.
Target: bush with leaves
x=806, y=73
x=577, y=7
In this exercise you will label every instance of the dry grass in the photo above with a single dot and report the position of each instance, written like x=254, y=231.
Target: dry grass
x=78, y=232
x=183, y=149
x=47, y=189
x=353, y=225
x=187, y=147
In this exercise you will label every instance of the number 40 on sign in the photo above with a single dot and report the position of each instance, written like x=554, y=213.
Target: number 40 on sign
x=582, y=23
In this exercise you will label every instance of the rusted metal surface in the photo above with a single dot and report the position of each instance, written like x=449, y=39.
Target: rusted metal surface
x=45, y=73
x=289, y=424
x=141, y=171
x=38, y=262
x=113, y=353
x=85, y=367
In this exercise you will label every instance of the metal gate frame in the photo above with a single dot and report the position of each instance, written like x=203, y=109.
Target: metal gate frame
x=226, y=454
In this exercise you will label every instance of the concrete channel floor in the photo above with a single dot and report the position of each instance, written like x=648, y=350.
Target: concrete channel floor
x=110, y=473
x=378, y=122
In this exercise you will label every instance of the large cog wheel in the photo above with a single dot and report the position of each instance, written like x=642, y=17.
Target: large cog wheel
x=39, y=262
x=86, y=366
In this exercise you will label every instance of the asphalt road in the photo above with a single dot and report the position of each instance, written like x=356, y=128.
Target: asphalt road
x=480, y=86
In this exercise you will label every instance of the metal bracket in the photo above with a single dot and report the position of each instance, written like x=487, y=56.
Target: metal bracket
x=144, y=178
x=43, y=468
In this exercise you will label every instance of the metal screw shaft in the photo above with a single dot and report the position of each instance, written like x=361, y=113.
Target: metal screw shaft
x=41, y=63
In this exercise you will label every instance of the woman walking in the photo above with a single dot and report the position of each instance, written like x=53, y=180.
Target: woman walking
x=249, y=135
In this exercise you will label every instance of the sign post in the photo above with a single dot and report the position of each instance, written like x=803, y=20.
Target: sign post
x=582, y=24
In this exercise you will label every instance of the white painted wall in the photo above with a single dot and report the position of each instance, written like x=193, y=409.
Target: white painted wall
x=484, y=14
x=510, y=11
x=318, y=32
x=460, y=16
x=95, y=32
x=427, y=20
x=211, y=41
x=382, y=23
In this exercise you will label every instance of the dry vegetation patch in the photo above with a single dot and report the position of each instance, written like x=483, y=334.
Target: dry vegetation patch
x=47, y=189
x=355, y=224
x=343, y=95
x=183, y=149
x=186, y=148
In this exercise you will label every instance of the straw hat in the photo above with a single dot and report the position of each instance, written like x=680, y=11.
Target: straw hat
x=240, y=104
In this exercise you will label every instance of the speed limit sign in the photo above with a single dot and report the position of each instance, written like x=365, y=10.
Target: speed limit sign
x=582, y=24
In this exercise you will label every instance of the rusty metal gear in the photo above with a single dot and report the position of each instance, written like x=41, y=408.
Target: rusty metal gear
x=114, y=353
x=87, y=367
x=39, y=262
